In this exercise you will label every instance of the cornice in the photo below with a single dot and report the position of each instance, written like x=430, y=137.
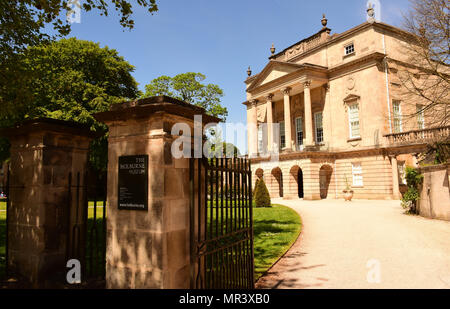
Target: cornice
x=303, y=69
x=342, y=36
x=317, y=72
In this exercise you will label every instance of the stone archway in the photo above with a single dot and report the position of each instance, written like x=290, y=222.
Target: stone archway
x=277, y=183
x=325, y=174
x=296, y=182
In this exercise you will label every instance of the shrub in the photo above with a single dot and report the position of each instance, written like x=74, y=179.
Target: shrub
x=262, y=197
x=414, y=180
x=254, y=191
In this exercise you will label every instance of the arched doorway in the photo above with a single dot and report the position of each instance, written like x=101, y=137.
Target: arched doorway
x=301, y=192
x=325, y=178
x=277, y=184
x=296, y=183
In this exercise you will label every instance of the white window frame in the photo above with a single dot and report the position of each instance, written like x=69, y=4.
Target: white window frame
x=347, y=48
x=282, y=134
x=260, y=139
x=357, y=174
x=316, y=127
x=299, y=129
x=350, y=121
x=397, y=117
x=420, y=116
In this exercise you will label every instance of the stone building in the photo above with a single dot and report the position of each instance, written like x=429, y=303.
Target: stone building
x=336, y=100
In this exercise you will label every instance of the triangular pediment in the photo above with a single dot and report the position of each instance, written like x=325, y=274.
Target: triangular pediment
x=272, y=71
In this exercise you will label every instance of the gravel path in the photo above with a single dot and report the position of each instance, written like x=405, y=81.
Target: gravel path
x=346, y=245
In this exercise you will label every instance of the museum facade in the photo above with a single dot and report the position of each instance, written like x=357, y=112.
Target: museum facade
x=330, y=107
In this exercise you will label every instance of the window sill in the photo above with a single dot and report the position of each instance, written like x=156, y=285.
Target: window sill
x=356, y=139
x=348, y=55
x=357, y=187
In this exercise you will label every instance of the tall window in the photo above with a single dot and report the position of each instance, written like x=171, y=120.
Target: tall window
x=357, y=175
x=260, y=139
x=299, y=130
x=397, y=116
x=353, y=120
x=349, y=49
x=318, y=117
x=282, y=136
x=420, y=117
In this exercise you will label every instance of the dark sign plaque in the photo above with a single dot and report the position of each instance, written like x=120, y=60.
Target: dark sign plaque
x=133, y=182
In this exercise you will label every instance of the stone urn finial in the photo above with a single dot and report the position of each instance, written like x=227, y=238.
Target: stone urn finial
x=272, y=49
x=249, y=72
x=324, y=21
x=371, y=13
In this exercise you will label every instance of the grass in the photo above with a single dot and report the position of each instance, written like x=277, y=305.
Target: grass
x=275, y=230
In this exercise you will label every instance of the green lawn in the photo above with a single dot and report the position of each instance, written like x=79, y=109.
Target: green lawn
x=275, y=230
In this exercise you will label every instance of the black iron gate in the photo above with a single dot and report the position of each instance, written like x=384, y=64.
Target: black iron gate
x=4, y=226
x=221, y=224
x=87, y=223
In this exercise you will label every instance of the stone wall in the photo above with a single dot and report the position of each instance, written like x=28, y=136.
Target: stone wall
x=434, y=194
x=43, y=153
x=377, y=177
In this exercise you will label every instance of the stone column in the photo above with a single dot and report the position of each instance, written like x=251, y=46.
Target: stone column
x=270, y=123
x=151, y=248
x=252, y=123
x=327, y=127
x=308, y=115
x=287, y=118
x=41, y=214
x=395, y=183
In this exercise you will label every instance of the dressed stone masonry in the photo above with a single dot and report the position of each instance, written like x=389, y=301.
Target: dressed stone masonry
x=151, y=248
x=333, y=96
x=41, y=213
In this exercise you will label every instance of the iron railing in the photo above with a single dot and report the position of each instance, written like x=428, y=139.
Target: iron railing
x=221, y=224
x=87, y=221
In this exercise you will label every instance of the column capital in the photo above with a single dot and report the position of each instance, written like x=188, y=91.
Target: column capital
x=253, y=103
x=286, y=91
x=269, y=97
x=307, y=84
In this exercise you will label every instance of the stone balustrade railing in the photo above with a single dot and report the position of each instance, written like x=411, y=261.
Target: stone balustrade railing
x=419, y=136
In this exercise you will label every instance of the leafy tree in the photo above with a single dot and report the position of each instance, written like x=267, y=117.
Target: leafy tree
x=22, y=24
x=262, y=196
x=188, y=87
x=71, y=80
x=22, y=21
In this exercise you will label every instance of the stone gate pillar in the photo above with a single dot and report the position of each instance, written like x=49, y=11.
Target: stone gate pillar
x=148, y=247
x=43, y=153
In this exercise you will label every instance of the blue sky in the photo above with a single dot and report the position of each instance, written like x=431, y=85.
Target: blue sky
x=221, y=38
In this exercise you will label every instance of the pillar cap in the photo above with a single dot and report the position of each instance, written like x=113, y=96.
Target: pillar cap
x=143, y=108
x=49, y=124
